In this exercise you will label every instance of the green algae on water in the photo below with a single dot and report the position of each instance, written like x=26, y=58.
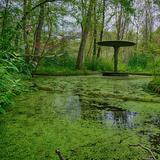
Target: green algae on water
x=79, y=123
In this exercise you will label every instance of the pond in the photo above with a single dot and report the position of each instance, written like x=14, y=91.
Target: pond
x=86, y=117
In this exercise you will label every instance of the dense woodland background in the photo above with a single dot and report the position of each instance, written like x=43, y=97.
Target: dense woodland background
x=61, y=36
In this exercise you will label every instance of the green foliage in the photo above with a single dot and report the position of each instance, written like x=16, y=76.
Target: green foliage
x=139, y=62
x=11, y=62
x=64, y=62
x=126, y=4
x=100, y=64
x=8, y=84
x=10, y=35
x=11, y=67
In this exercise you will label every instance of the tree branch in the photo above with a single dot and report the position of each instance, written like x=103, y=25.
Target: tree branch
x=36, y=6
x=60, y=155
x=41, y=3
x=145, y=148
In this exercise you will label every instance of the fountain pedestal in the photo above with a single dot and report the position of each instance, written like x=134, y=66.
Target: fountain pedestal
x=116, y=45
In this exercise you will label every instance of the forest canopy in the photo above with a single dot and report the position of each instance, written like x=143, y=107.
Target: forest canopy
x=33, y=29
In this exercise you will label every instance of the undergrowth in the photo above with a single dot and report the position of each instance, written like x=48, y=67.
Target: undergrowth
x=12, y=68
x=66, y=64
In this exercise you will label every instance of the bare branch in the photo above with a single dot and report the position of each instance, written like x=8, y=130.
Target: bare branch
x=145, y=148
x=38, y=5
x=41, y=3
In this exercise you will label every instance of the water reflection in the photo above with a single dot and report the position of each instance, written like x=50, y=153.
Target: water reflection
x=111, y=116
x=75, y=109
x=121, y=118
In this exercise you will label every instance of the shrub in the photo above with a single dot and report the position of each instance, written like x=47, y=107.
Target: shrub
x=100, y=64
x=139, y=62
x=10, y=81
x=57, y=63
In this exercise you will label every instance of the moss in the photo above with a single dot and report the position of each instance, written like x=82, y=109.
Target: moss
x=42, y=121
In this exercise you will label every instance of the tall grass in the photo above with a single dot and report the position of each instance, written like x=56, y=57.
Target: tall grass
x=100, y=64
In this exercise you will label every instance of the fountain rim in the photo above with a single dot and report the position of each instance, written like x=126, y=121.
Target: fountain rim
x=116, y=43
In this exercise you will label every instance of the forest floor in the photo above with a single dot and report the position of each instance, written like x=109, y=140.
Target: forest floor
x=75, y=115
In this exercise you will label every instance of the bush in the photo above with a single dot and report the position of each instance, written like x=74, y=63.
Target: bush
x=139, y=62
x=67, y=63
x=10, y=81
x=98, y=64
x=8, y=89
x=57, y=63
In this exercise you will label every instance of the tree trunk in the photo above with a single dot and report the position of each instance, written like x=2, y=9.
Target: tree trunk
x=94, y=40
x=4, y=19
x=102, y=29
x=150, y=6
x=84, y=36
x=137, y=36
x=38, y=33
x=119, y=24
x=45, y=45
x=81, y=49
x=90, y=47
x=146, y=29
x=95, y=33
x=25, y=31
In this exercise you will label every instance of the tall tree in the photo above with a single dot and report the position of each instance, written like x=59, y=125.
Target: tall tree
x=85, y=29
x=123, y=10
x=38, y=33
x=102, y=27
x=26, y=7
x=4, y=21
x=148, y=23
x=95, y=32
